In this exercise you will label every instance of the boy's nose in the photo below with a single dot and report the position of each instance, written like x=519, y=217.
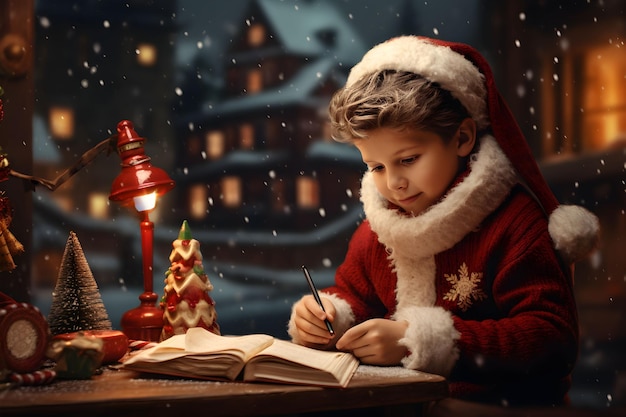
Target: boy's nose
x=396, y=182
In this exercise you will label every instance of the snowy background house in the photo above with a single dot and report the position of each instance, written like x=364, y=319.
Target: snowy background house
x=260, y=162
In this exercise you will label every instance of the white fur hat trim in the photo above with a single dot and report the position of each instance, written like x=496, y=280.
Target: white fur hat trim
x=440, y=64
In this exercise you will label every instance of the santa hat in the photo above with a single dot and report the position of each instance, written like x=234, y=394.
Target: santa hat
x=465, y=73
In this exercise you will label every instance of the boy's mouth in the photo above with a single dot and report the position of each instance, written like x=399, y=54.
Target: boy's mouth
x=408, y=200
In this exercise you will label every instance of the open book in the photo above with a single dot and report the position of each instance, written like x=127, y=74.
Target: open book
x=256, y=357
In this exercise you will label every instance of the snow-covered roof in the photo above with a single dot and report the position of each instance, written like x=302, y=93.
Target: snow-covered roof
x=240, y=161
x=236, y=161
x=314, y=28
x=298, y=90
x=335, y=153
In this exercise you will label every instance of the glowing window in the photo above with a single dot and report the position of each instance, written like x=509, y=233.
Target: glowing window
x=246, y=136
x=604, y=97
x=307, y=192
x=255, y=81
x=146, y=54
x=231, y=191
x=198, y=201
x=256, y=34
x=215, y=144
x=61, y=121
x=98, y=205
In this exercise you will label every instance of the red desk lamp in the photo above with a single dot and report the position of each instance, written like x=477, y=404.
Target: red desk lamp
x=139, y=184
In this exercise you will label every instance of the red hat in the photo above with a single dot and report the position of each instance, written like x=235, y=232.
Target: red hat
x=462, y=70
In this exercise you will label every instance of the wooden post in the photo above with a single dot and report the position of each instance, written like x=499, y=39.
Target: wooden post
x=17, y=80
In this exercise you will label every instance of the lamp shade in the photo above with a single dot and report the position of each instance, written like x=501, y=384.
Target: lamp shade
x=138, y=177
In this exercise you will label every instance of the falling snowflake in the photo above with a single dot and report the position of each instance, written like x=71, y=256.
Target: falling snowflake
x=465, y=287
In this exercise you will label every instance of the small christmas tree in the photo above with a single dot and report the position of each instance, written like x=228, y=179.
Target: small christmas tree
x=76, y=301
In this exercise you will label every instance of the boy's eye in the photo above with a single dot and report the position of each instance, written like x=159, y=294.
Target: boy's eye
x=375, y=168
x=409, y=160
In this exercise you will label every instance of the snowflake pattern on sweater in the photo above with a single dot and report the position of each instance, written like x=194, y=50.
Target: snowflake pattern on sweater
x=465, y=287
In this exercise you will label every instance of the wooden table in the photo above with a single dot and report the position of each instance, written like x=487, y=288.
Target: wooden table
x=125, y=393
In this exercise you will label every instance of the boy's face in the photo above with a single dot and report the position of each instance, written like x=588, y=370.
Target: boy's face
x=411, y=168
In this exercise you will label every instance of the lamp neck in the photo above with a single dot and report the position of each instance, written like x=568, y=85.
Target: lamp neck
x=145, y=216
x=147, y=237
x=130, y=161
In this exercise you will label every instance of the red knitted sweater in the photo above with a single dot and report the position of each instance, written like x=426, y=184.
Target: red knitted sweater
x=509, y=299
x=477, y=279
x=487, y=300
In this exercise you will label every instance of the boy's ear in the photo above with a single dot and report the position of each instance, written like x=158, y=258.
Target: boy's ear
x=466, y=137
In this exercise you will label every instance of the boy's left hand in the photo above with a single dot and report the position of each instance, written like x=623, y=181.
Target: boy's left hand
x=375, y=341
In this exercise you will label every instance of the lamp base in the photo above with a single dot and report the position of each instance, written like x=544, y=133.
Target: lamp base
x=144, y=322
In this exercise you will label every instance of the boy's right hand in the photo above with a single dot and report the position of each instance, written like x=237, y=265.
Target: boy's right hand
x=309, y=321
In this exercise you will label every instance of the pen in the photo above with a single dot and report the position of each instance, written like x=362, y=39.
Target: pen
x=317, y=297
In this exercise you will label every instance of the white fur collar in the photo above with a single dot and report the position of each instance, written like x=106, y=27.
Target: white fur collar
x=458, y=213
x=413, y=241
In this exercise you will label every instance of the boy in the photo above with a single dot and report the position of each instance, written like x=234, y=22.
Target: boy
x=461, y=267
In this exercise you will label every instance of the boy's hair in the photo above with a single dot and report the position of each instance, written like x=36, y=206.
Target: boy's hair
x=394, y=99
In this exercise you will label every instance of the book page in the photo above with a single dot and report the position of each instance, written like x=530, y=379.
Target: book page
x=200, y=342
x=201, y=345
x=169, y=349
x=292, y=363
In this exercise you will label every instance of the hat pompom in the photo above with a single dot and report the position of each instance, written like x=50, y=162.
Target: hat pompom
x=574, y=230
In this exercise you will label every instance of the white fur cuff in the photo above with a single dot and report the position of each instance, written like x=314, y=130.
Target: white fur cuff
x=344, y=318
x=430, y=339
